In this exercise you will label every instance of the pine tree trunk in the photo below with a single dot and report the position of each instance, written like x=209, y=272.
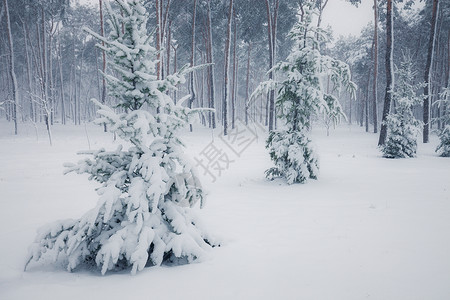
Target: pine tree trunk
x=427, y=96
x=233, y=91
x=226, y=67
x=51, y=98
x=169, y=41
x=247, y=83
x=366, y=103
x=61, y=78
x=44, y=68
x=102, y=33
x=192, y=86
x=40, y=68
x=274, y=55
x=175, y=70
x=271, y=36
x=389, y=71
x=361, y=108
x=158, y=38
x=36, y=64
x=211, y=67
x=27, y=57
x=79, y=85
x=375, y=69
x=447, y=78
x=12, y=71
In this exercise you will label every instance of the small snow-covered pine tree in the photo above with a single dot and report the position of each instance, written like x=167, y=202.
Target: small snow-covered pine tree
x=443, y=149
x=148, y=187
x=402, y=126
x=301, y=97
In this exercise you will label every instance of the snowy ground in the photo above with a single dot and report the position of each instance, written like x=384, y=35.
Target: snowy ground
x=369, y=228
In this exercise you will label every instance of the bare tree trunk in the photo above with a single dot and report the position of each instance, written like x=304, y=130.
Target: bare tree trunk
x=361, y=108
x=174, y=70
x=375, y=68
x=40, y=70
x=271, y=27
x=73, y=90
x=102, y=33
x=36, y=64
x=233, y=91
x=163, y=18
x=45, y=74
x=11, y=67
x=202, y=88
x=158, y=38
x=366, y=103
x=427, y=96
x=27, y=57
x=389, y=71
x=192, y=86
x=169, y=40
x=63, y=105
x=51, y=103
x=211, y=67
x=447, y=77
x=247, y=82
x=351, y=100
x=79, y=85
x=226, y=67
x=208, y=81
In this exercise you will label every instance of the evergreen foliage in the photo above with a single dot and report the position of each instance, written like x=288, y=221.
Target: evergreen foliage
x=443, y=149
x=402, y=126
x=148, y=186
x=301, y=97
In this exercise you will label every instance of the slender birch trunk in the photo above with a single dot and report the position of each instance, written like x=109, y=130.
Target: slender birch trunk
x=427, y=76
x=226, y=67
x=11, y=68
x=389, y=71
x=211, y=67
x=247, y=82
x=192, y=86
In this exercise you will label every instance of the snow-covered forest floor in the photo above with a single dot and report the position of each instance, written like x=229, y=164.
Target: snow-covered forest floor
x=369, y=228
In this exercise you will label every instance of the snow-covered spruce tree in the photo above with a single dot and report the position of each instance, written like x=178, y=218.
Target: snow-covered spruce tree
x=443, y=149
x=300, y=97
x=148, y=186
x=402, y=127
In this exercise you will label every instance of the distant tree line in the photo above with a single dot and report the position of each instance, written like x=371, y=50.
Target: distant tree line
x=50, y=68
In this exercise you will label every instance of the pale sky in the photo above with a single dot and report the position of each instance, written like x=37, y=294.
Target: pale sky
x=345, y=18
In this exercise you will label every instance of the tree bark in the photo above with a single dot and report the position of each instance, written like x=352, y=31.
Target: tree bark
x=45, y=74
x=192, y=86
x=169, y=41
x=233, y=91
x=102, y=33
x=158, y=38
x=211, y=67
x=12, y=71
x=375, y=69
x=174, y=70
x=271, y=27
x=27, y=57
x=389, y=71
x=427, y=88
x=447, y=79
x=226, y=67
x=247, y=82
x=61, y=78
